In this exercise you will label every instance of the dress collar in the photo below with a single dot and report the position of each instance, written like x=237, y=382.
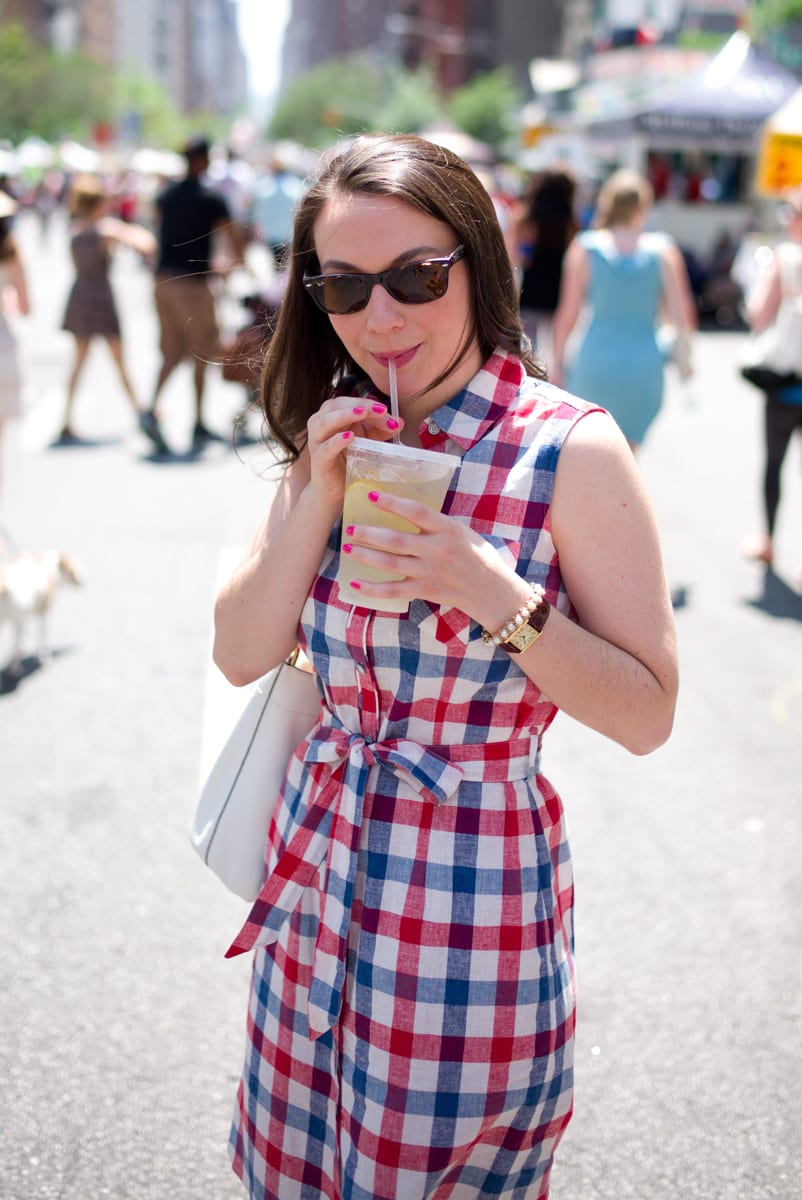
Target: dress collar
x=467, y=417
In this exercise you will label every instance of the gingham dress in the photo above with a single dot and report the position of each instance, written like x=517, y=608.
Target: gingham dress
x=410, y=1029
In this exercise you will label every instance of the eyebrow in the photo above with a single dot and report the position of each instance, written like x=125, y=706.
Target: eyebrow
x=416, y=254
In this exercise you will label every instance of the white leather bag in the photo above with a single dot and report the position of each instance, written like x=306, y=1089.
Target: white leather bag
x=238, y=798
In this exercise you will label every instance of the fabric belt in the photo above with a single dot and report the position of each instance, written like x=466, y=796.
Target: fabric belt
x=330, y=831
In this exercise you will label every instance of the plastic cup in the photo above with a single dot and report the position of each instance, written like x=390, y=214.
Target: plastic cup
x=370, y=466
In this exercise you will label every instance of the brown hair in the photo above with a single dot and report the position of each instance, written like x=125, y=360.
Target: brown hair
x=306, y=357
x=622, y=198
x=86, y=195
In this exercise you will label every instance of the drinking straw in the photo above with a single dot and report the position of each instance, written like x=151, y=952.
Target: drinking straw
x=394, y=396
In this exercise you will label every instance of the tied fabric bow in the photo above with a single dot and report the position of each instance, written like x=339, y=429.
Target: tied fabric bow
x=330, y=833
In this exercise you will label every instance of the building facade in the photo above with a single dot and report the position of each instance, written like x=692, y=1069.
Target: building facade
x=190, y=47
x=456, y=38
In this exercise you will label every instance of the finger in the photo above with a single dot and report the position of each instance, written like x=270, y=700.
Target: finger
x=423, y=516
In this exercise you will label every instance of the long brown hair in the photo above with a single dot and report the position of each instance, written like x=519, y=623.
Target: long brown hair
x=306, y=357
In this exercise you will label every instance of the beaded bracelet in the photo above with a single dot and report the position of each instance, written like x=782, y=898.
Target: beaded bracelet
x=524, y=624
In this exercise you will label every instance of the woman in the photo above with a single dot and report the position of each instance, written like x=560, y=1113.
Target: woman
x=412, y=1012
x=544, y=231
x=630, y=279
x=91, y=309
x=783, y=411
x=13, y=297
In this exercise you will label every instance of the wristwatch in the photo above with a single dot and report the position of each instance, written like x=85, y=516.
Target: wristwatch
x=523, y=637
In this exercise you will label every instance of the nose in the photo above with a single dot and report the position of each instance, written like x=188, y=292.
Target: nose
x=382, y=311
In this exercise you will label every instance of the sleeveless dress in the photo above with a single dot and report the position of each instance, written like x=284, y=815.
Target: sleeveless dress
x=619, y=361
x=91, y=310
x=410, y=1030
x=10, y=380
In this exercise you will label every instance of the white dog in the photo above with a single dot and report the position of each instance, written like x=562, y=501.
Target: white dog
x=27, y=586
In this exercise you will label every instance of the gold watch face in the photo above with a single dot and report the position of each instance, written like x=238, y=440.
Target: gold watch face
x=522, y=638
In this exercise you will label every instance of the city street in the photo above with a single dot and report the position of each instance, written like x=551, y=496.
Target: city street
x=123, y=1025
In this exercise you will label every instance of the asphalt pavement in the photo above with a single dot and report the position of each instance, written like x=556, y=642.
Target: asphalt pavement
x=123, y=1025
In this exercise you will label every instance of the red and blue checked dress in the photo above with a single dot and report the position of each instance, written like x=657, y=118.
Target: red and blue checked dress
x=410, y=1029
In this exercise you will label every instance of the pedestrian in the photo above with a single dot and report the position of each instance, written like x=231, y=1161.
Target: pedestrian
x=91, y=310
x=191, y=216
x=412, y=1013
x=783, y=407
x=545, y=226
x=275, y=200
x=631, y=279
x=13, y=298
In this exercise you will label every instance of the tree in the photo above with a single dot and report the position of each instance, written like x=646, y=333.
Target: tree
x=337, y=97
x=485, y=107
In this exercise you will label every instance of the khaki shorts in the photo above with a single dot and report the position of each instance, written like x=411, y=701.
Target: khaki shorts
x=185, y=307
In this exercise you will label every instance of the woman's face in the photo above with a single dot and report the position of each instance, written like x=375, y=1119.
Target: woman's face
x=370, y=234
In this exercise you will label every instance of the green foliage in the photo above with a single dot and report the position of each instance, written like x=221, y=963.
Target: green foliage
x=353, y=95
x=160, y=122
x=766, y=15
x=413, y=102
x=338, y=97
x=484, y=107
x=52, y=96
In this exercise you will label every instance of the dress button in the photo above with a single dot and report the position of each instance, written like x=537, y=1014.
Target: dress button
x=433, y=427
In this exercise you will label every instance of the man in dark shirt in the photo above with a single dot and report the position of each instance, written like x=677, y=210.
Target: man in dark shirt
x=191, y=216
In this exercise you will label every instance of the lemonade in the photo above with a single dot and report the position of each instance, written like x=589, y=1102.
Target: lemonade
x=421, y=475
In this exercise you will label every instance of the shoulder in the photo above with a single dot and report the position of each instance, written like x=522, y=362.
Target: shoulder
x=546, y=413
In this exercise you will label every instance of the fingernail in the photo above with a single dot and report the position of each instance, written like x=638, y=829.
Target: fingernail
x=356, y=584
x=392, y=423
x=348, y=434
x=359, y=411
x=379, y=408
x=373, y=496
x=349, y=529
x=346, y=548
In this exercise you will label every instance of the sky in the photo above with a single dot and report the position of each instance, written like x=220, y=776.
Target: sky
x=261, y=24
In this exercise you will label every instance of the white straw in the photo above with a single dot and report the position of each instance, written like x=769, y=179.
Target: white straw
x=394, y=396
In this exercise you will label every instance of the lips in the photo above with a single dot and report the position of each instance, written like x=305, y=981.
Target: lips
x=400, y=357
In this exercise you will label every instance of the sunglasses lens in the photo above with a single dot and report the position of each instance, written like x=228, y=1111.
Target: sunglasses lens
x=340, y=294
x=418, y=283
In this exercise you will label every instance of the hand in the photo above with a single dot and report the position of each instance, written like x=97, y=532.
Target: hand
x=447, y=562
x=329, y=431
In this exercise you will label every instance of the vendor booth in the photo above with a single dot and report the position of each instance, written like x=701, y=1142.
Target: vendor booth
x=698, y=142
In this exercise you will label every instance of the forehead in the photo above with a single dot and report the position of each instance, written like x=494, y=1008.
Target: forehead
x=372, y=231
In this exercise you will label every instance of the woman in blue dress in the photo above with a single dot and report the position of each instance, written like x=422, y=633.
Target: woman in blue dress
x=631, y=280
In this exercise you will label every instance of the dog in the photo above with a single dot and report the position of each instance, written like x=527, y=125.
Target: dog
x=28, y=583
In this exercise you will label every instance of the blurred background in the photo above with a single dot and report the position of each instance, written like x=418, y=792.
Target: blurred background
x=121, y=1026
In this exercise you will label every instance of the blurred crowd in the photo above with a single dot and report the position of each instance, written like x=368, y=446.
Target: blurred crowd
x=598, y=280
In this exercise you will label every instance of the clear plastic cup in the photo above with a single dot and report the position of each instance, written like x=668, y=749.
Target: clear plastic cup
x=370, y=466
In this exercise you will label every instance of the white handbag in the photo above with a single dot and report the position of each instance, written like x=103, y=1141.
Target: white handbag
x=238, y=798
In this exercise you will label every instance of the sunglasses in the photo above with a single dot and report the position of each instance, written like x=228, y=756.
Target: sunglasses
x=416, y=283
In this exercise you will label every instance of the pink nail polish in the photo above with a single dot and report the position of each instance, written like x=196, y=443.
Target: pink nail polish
x=373, y=496
x=346, y=548
x=379, y=408
x=359, y=411
x=348, y=434
x=356, y=584
x=392, y=423
x=349, y=529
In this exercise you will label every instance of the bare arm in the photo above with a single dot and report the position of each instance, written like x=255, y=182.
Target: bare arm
x=128, y=234
x=575, y=275
x=19, y=283
x=257, y=612
x=764, y=299
x=615, y=671
x=677, y=295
